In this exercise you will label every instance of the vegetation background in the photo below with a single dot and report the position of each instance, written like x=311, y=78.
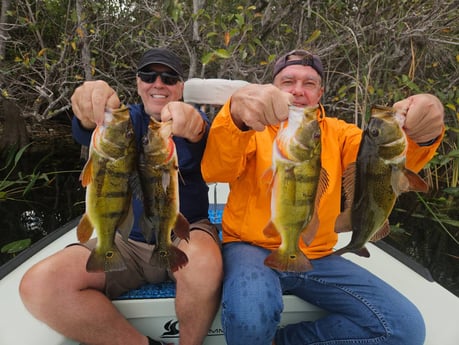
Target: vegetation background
x=374, y=52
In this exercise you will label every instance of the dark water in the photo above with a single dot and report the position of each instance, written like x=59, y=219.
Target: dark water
x=53, y=204
x=49, y=204
x=427, y=243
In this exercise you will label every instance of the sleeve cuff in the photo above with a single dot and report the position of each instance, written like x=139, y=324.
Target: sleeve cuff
x=428, y=143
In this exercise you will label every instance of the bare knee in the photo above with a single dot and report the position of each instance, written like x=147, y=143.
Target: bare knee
x=60, y=274
x=203, y=274
x=36, y=285
x=204, y=256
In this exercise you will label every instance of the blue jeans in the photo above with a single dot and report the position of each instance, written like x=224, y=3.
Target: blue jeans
x=362, y=308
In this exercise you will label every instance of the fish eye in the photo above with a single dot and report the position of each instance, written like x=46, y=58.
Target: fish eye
x=374, y=132
x=145, y=140
x=129, y=133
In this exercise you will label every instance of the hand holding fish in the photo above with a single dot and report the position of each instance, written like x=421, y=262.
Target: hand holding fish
x=256, y=106
x=186, y=121
x=90, y=100
x=424, y=115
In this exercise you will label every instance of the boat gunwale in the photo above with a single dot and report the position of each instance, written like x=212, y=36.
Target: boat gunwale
x=26, y=254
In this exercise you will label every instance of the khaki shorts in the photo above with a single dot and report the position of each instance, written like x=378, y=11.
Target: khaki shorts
x=137, y=257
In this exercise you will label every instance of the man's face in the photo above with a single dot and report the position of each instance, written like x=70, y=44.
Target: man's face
x=303, y=82
x=157, y=94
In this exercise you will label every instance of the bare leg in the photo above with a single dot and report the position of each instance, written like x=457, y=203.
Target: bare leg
x=59, y=292
x=198, y=287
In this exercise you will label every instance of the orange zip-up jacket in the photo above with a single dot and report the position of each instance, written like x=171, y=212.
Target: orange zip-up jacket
x=243, y=158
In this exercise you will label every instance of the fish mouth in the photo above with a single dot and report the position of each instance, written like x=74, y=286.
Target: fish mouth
x=394, y=142
x=299, y=104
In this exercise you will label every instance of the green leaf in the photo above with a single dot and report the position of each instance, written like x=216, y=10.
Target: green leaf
x=20, y=153
x=315, y=35
x=222, y=53
x=207, y=58
x=454, y=191
x=16, y=246
x=240, y=20
x=453, y=153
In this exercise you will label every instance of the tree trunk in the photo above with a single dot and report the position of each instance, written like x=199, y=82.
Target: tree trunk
x=83, y=34
x=3, y=30
x=14, y=126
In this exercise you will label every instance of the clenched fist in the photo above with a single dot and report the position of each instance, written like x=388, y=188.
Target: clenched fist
x=256, y=106
x=424, y=117
x=186, y=121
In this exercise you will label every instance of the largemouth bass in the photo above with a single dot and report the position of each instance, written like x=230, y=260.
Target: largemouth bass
x=373, y=183
x=158, y=173
x=298, y=182
x=111, y=162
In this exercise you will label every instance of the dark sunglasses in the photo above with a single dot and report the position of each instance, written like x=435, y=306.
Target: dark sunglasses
x=166, y=78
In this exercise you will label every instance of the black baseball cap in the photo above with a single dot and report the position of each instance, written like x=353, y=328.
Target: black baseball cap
x=161, y=56
x=305, y=59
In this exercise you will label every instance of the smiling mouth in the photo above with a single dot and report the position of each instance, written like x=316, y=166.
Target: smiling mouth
x=158, y=96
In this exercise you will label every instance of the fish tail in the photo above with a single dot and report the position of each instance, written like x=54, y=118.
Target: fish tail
x=170, y=257
x=282, y=261
x=105, y=261
x=359, y=251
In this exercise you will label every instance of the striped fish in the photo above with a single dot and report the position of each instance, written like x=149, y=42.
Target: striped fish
x=158, y=175
x=298, y=181
x=106, y=175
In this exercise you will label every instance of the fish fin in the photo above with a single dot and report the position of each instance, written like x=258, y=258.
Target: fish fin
x=182, y=227
x=405, y=180
x=322, y=186
x=135, y=185
x=126, y=223
x=86, y=173
x=362, y=252
x=267, y=179
x=282, y=261
x=105, y=261
x=84, y=229
x=165, y=180
x=310, y=229
x=178, y=259
x=268, y=176
x=349, y=176
x=179, y=174
x=382, y=232
x=169, y=258
x=146, y=227
x=308, y=234
x=343, y=221
x=270, y=230
x=359, y=251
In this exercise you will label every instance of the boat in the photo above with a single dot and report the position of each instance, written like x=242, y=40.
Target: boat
x=151, y=308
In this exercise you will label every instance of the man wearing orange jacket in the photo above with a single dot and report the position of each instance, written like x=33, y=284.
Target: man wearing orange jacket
x=239, y=151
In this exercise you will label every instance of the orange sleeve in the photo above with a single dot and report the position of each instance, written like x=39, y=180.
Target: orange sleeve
x=226, y=149
x=418, y=156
